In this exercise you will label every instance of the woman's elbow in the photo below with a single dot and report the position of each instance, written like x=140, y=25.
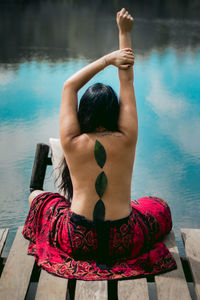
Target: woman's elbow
x=70, y=85
x=67, y=84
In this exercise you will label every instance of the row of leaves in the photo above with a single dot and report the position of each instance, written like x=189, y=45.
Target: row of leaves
x=101, y=182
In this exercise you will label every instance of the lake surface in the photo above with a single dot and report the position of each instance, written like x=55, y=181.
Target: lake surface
x=40, y=51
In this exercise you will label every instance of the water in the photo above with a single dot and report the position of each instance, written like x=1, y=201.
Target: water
x=40, y=51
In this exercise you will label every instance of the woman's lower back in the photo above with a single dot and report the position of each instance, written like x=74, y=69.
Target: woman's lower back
x=114, y=209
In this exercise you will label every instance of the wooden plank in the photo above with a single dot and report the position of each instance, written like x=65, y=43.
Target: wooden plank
x=16, y=274
x=133, y=289
x=51, y=287
x=3, y=237
x=172, y=285
x=57, y=158
x=191, y=239
x=92, y=290
x=39, y=167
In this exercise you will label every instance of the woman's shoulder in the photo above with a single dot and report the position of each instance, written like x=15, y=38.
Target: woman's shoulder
x=113, y=142
x=84, y=144
x=108, y=138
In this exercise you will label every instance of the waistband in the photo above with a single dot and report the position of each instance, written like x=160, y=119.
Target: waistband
x=79, y=219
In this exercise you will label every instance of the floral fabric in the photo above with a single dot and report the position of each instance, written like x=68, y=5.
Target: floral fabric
x=71, y=246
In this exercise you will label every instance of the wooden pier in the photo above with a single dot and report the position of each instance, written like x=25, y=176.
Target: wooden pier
x=22, y=279
x=20, y=274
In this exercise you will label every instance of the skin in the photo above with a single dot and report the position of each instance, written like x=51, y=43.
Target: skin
x=120, y=146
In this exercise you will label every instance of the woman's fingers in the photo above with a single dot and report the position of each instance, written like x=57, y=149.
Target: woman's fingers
x=128, y=54
x=130, y=17
x=124, y=20
x=129, y=61
x=125, y=14
x=122, y=57
x=128, y=51
x=122, y=11
x=129, y=58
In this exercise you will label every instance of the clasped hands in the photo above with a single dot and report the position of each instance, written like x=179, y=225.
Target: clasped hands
x=123, y=58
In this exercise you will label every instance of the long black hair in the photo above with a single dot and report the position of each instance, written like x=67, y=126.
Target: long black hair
x=99, y=107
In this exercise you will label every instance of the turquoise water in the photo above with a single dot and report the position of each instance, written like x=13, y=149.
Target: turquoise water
x=167, y=160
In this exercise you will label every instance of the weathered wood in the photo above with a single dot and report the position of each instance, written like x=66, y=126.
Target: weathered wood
x=93, y=290
x=136, y=289
x=191, y=239
x=3, y=237
x=16, y=274
x=51, y=287
x=57, y=156
x=39, y=166
x=172, y=285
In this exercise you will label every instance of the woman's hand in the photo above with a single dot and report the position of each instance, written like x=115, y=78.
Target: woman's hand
x=124, y=21
x=121, y=59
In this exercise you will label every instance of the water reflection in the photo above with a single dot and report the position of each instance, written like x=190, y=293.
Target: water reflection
x=176, y=104
x=55, y=31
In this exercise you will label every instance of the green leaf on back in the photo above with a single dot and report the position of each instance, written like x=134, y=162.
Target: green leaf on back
x=101, y=184
x=100, y=154
x=99, y=211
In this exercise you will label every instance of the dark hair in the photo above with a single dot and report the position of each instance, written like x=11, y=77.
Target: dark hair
x=99, y=107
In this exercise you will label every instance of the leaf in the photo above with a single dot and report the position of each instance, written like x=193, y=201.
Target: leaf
x=101, y=184
x=99, y=211
x=100, y=154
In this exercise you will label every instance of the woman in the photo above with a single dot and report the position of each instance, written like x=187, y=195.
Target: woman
x=101, y=233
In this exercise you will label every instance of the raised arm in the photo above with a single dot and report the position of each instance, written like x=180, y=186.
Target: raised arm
x=69, y=125
x=128, y=123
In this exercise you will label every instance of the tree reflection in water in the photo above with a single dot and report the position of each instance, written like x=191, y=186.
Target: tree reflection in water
x=57, y=30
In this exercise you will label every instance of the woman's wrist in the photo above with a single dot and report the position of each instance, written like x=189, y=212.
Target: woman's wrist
x=124, y=33
x=125, y=40
x=107, y=60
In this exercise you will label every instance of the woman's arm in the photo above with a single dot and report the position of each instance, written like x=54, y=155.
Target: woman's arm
x=69, y=125
x=128, y=123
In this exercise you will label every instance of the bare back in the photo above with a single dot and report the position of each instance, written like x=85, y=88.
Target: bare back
x=84, y=171
x=119, y=146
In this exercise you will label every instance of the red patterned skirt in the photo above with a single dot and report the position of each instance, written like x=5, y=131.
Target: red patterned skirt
x=71, y=246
